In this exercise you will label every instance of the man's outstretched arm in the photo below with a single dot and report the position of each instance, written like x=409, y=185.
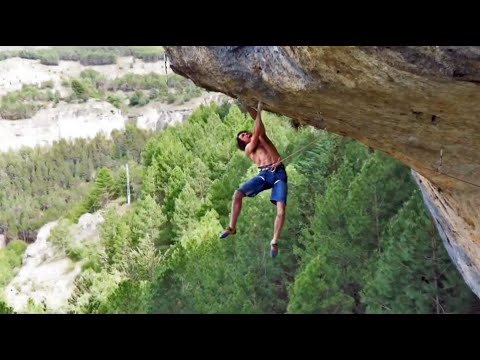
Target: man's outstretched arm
x=258, y=129
x=252, y=112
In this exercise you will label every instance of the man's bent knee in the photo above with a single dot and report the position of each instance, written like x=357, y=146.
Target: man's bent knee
x=238, y=195
x=280, y=209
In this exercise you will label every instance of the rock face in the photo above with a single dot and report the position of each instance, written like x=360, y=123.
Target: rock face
x=47, y=276
x=16, y=72
x=158, y=118
x=66, y=121
x=71, y=121
x=421, y=105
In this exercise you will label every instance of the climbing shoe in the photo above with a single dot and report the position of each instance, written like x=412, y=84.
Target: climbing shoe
x=274, y=250
x=227, y=232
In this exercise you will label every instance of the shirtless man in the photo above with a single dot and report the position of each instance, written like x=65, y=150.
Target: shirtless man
x=272, y=175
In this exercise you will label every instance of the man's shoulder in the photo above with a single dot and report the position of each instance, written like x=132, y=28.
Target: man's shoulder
x=265, y=139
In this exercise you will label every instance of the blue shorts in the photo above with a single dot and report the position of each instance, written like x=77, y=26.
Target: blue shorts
x=267, y=179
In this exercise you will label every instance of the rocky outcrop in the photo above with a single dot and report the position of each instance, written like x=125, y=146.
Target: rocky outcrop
x=47, y=275
x=158, y=118
x=66, y=121
x=16, y=72
x=71, y=121
x=418, y=104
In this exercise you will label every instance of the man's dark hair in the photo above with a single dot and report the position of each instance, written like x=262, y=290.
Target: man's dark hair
x=240, y=143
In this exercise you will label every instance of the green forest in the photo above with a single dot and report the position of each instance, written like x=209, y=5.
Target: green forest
x=88, y=55
x=357, y=237
x=130, y=90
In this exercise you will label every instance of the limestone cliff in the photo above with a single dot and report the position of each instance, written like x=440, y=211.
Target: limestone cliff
x=420, y=105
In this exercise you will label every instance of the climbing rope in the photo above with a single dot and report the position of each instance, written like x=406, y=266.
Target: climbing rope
x=425, y=167
x=298, y=151
x=274, y=165
x=280, y=159
x=450, y=176
x=438, y=170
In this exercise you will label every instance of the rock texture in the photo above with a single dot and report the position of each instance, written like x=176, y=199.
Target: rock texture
x=47, y=276
x=72, y=121
x=418, y=104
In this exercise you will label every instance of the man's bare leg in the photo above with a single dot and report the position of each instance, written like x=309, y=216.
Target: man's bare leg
x=236, y=209
x=279, y=221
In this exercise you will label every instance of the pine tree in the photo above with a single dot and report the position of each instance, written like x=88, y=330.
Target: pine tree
x=379, y=189
x=4, y=309
x=116, y=236
x=316, y=290
x=102, y=192
x=147, y=220
x=414, y=274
